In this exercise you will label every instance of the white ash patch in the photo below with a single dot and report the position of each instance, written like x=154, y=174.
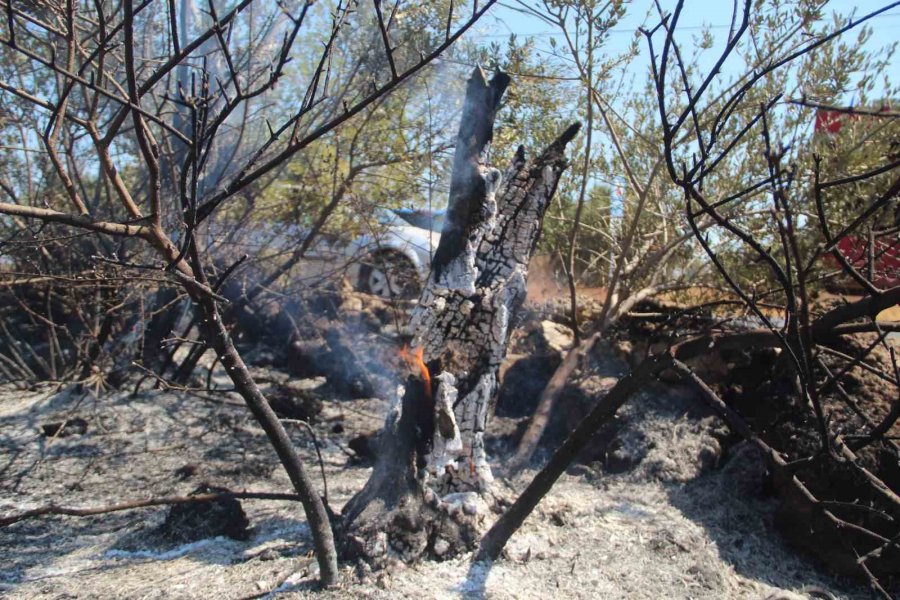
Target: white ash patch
x=622, y=536
x=176, y=552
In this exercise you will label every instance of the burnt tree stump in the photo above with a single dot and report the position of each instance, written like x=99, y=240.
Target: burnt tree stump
x=430, y=489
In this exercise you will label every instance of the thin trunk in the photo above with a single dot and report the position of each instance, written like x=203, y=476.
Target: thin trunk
x=218, y=338
x=585, y=169
x=532, y=436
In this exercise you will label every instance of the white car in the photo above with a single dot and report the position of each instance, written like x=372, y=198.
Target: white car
x=395, y=261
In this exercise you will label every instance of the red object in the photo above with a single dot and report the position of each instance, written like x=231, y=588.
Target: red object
x=830, y=121
x=886, y=259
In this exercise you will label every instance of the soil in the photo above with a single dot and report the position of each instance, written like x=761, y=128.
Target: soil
x=758, y=387
x=677, y=517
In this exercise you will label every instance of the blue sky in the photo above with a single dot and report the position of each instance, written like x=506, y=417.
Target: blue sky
x=696, y=15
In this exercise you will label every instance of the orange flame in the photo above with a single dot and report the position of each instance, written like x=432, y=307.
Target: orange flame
x=416, y=361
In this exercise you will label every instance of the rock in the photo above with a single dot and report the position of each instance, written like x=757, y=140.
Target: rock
x=304, y=358
x=351, y=303
x=392, y=331
x=201, y=520
x=268, y=554
x=364, y=446
x=441, y=546
x=461, y=504
x=551, y=338
x=625, y=349
x=305, y=385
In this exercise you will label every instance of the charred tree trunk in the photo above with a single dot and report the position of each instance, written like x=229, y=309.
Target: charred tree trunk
x=431, y=486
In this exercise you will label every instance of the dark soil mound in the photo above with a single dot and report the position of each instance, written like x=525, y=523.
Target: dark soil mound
x=200, y=520
x=759, y=385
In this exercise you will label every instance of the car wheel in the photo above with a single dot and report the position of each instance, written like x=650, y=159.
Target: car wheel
x=389, y=275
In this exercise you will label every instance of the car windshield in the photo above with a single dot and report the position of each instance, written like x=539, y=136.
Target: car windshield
x=424, y=219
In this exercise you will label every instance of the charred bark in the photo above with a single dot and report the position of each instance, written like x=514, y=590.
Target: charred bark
x=431, y=487
x=395, y=516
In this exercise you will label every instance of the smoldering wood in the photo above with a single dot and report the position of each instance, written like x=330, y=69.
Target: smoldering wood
x=431, y=487
x=463, y=322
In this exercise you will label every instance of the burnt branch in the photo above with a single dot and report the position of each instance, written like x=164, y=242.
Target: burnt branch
x=495, y=539
x=89, y=511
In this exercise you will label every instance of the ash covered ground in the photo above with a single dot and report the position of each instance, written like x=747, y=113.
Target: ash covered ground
x=666, y=505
